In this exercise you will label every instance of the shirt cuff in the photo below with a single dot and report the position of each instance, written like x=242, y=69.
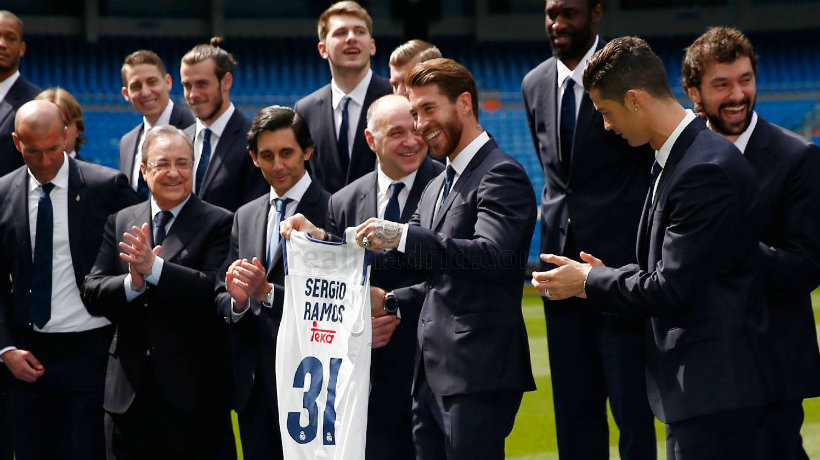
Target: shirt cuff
x=403, y=240
x=156, y=271
x=131, y=294
x=5, y=350
x=235, y=317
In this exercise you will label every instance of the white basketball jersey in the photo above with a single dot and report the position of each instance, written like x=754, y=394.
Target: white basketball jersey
x=323, y=349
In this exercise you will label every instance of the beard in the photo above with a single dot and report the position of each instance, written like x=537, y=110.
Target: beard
x=729, y=129
x=451, y=130
x=578, y=45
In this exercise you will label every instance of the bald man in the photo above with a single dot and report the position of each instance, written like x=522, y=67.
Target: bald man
x=52, y=212
x=405, y=167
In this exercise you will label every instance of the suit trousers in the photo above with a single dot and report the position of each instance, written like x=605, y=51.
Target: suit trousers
x=730, y=435
x=462, y=427
x=259, y=426
x=594, y=356
x=154, y=428
x=6, y=451
x=780, y=432
x=60, y=416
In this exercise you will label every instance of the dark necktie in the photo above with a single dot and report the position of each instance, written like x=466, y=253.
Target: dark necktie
x=142, y=187
x=567, y=123
x=40, y=303
x=162, y=219
x=449, y=174
x=392, y=212
x=204, y=159
x=653, y=178
x=275, y=237
x=344, y=150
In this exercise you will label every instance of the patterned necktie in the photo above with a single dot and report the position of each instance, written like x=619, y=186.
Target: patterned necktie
x=342, y=144
x=392, y=212
x=162, y=219
x=204, y=159
x=40, y=303
x=275, y=237
x=567, y=123
x=449, y=174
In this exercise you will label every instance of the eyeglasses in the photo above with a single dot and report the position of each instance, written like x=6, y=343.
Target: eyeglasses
x=165, y=166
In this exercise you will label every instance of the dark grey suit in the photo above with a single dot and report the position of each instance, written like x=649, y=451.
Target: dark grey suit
x=60, y=414
x=231, y=179
x=252, y=340
x=389, y=422
x=325, y=164
x=595, y=207
x=20, y=92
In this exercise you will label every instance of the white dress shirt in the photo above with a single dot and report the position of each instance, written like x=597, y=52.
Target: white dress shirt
x=383, y=183
x=743, y=140
x=6, y=84
x=164, y=119
x=662, y=154
x=68, y=313
x=459, y=164
x=354, y=107
x=217, y=128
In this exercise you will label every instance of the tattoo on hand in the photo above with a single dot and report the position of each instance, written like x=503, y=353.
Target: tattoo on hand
x=388, y=232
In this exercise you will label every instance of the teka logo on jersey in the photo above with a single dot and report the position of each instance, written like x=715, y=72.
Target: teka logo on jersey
x=321, y=335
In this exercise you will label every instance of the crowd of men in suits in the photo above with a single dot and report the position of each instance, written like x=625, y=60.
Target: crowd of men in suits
x=137, y=308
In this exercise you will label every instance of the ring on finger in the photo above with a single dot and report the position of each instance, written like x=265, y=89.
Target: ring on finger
x=547, y=293
x=365, y=242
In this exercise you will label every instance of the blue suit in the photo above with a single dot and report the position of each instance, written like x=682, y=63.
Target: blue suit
x=472, y=355
x=708, y=361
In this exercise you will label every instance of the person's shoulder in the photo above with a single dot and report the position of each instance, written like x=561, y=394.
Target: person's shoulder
x=361, y=183
x=307, y=102
x=380, y=84
x=537, y=73
x=93, y=172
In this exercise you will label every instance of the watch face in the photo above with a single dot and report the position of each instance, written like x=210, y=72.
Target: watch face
x=391, y=304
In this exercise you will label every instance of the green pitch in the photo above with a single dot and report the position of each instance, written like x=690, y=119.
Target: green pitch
x=533, y=437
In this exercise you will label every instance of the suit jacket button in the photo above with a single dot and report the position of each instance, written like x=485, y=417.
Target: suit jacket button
x=429, y=285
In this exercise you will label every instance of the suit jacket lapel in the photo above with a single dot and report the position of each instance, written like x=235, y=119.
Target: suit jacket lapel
x=642, y=246
x=19, y=200
x=11, y=100
x=550, y=106
x=586, y=114
x=419, y=183
x=367, y=200
x=183, y=229
x=360, y=148
x=5, y=110
x=758, y=145
x=329, y=134
x=77, y=198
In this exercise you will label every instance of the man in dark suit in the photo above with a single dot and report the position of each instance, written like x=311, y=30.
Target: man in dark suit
x=336, y=112
x=147, y=86
x=250, y=296
x=51, y=220
x=470, y=237
x=707, y=363
x=391, y=192
x=165, y=389
x=719, y=73
x=593, y=192
x=224, y=174
x=14, y=92
x=14, y=89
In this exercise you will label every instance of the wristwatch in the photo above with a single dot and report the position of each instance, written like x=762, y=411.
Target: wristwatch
x=391, y=303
